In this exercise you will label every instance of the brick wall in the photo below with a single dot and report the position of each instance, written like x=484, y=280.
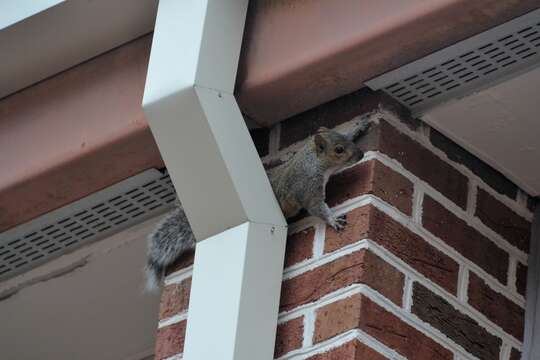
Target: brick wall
x=432, y=264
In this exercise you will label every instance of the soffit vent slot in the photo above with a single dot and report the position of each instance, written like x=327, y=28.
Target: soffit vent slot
x=89, y=219
x=468, y=66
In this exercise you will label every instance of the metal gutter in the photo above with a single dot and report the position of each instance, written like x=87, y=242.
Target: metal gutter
x=64, y=35
x=299, y=54
x=74, y=134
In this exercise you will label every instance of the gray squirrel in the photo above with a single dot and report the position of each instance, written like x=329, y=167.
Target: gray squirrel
x=299, y=183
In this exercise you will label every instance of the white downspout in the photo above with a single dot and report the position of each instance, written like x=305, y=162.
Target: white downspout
x=219, y=177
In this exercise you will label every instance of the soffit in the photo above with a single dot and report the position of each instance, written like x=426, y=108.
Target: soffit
x=499, y=125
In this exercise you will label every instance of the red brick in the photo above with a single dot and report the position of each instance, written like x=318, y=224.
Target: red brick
x=289, y=336
x=357, y=228
x=370, y=222
x=374, y=178
x=489, y=175
x=465, y=239
x=352, y=350
x=515, y=355
x=496, y=307
x=423, y=163
x=170, y=340
x=299, y=246
x=183, y=262
x=503, y=220
x=330, y=114
x=457, y=326
x=359, y=312
x=521, y=278
x=174, y=299
x=359, y=267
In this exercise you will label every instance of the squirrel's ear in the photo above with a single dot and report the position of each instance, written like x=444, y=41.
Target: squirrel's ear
x=320, y=144
x=322, y=129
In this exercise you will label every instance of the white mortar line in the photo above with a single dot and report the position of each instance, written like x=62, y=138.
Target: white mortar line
x=303, y=224
x=339, y=340
x=407, y=294
x=376, y=345
x=175, y=357
x=173, y=319
x=339, y=294
x=463, y=285
x=512, y=273
x=178, y=276
x=310, y=264
x=471, y=197
x=417, y=202
x=505, y=351
x=309, y=328
x=318, y=243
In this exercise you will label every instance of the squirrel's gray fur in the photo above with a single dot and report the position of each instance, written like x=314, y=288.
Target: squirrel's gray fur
x=298, y=184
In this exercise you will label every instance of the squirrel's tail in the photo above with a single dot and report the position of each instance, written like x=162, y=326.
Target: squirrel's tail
x=154, y=274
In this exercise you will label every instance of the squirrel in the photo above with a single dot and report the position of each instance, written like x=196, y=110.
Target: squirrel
x=299, y=183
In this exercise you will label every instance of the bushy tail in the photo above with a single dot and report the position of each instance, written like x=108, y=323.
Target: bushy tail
x=154, y=275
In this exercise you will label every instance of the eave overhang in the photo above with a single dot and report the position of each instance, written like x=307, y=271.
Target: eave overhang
x=299, y=54
x=82, y=130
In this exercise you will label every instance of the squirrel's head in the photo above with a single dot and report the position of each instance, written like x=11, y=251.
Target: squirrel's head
x=336, y=150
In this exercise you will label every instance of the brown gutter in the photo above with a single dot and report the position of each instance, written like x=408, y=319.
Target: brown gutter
x=299, y=54
x=74, y=134
x=83, y=130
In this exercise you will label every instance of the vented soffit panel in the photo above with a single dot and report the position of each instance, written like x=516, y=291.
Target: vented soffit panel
x=465, y=67
x=89, y=219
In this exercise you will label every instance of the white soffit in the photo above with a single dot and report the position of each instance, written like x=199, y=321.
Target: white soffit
x=500, y=125
x=84, y=221
x=467, y=66
x=38, y=40
x=14, y=11
x=86, y=305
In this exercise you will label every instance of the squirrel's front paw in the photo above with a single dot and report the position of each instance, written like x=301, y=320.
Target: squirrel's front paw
x=338, y=222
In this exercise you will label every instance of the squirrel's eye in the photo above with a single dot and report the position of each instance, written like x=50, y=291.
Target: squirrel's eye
x=339, y=149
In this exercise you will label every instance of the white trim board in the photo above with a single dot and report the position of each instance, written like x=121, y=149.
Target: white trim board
x=531, y=345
